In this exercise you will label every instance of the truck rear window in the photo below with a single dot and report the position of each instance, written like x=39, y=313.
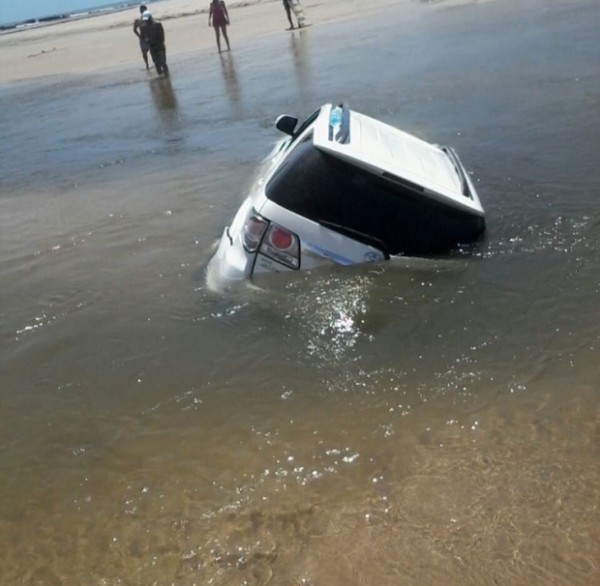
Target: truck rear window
x=381, y=210
x=354, y=201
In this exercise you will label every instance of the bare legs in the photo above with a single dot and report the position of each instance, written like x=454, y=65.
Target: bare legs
x=288, y=13
x=218, y=30
x=144, y=48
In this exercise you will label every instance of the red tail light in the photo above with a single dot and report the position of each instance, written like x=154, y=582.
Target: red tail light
x=280, y=239
x=271, y=240
x=281, y=245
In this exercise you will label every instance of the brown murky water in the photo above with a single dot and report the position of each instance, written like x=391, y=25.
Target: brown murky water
x=420, y=422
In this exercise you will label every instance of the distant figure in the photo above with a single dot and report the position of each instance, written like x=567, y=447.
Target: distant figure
x=295, y=7
x=154, y=35
x=137, y=24
x=220, y=19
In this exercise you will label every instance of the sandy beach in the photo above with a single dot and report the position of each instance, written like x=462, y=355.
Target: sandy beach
x=106, y=41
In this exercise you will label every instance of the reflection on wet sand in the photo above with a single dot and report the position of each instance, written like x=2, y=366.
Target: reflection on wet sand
x=232, y=86
x=167, y=108
x=165, y=100
x=299, y=42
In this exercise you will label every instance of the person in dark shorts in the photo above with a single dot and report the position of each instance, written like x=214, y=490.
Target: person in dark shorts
x=137, y=24
x=218, y=17
x=153, y=33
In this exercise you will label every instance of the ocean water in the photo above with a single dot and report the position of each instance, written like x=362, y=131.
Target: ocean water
x=429, y=421
x=17, y=16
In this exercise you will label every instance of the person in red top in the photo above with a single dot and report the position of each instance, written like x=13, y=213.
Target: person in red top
x=219, y=17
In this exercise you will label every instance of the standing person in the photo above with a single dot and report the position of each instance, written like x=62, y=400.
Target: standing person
x=137, y=25
x=288, y=13
x=220, y=19
x=153, y=33
x=298, y=11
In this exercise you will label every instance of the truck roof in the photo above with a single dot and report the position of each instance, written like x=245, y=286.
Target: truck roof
x=376, y=145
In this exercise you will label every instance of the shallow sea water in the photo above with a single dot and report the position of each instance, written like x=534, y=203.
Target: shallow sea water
x=424, y=421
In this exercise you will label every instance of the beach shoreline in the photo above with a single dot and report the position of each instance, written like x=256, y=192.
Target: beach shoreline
x=105, y=41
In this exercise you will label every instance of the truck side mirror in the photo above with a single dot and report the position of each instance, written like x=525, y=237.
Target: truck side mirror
x=286, y=124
